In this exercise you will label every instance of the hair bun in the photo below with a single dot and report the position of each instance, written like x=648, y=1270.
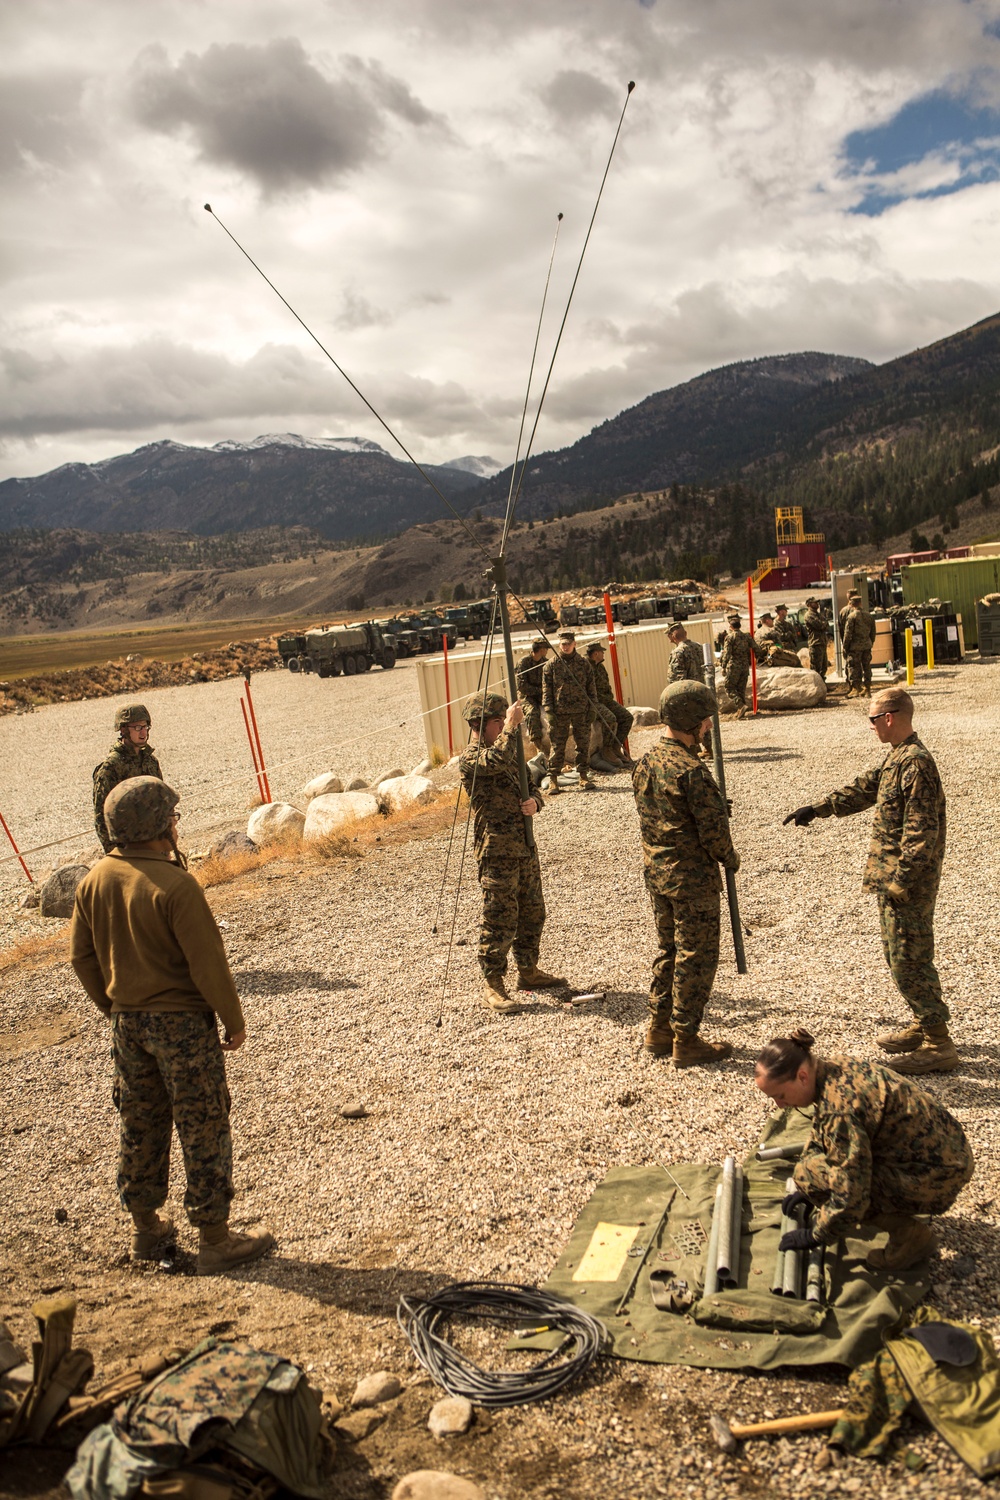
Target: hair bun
x=802, y=1037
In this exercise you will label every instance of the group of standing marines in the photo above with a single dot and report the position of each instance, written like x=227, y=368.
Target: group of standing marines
x=147, y=950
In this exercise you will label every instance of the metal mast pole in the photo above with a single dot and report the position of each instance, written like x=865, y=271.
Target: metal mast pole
x=498, y=575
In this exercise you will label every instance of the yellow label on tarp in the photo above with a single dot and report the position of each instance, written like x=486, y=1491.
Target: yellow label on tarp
x=606, y=1253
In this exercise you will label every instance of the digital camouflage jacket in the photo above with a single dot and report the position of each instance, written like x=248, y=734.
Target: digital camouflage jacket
x=528, y=676
x=737, y=649
x=602, y=683
x=686, y=663
x=489, y=777
x=682, y=822
x=859, y=632
x=867, y=1118
x=121, y=762
x=568, y=686
x=908, y=831
x=816, y=627
x=787, y=634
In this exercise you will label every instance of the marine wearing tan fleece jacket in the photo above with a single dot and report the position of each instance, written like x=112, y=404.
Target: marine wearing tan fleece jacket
x=143, y=938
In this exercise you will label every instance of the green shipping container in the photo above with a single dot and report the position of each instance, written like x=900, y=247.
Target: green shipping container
x=963, y=580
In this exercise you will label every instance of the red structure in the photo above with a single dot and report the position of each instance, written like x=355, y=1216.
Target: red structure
x=801, y=559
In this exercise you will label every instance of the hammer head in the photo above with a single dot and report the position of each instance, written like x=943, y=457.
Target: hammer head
x=722, y=1434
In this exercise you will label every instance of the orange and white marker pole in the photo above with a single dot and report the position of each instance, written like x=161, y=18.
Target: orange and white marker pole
x=612, y=647
x=259, y=761
x=253, y=752
x=447, y=690
x=753, y=654
x=24, y=867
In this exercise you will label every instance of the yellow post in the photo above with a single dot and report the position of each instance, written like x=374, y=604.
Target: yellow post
x=929, y=633
x=909, y=656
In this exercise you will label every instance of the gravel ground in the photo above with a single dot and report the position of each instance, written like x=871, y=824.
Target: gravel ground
x=486, y=1136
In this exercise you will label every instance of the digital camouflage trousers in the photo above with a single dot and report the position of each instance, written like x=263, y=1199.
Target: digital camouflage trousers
x=534, y=724
x=859, y=669
x=687, y=929
x=170, y=1070
x=513, y=913
x=736, y=683
x=908, y=945
x=617, y=718
x=819, y=658
x=929, y=1187
x=560, y=726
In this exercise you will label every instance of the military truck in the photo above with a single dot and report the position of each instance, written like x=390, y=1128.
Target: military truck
x=462, y=618
x=291, y=647
x=433, y=630
x=333, y=649
x=401, y=636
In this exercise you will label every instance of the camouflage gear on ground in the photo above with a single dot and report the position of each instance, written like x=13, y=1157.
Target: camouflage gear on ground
x=170, y=1071
x=528, y=676
x=878, y=1145
x=623, y=720
x=734, y=661
x=818, y=635
x=687, y=931
x=139, y=809
x=513, y=913
x=687, y=663
x=908, y=944
x=682, y=822
x=483, y=706
x=490, y=779
x=132, y=713
x=559, y=730
x=568, y=687
x=685, y=705
x=122, y=761
x=877, y=1401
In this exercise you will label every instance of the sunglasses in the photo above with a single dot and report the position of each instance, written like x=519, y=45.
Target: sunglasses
x=874, y=718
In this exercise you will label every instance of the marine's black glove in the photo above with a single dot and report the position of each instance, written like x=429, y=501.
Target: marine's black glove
x=801, y=817
x=798, y=1239
x=795, y=1200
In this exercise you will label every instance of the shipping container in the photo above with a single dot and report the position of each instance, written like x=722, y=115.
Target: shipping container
x=963, y=581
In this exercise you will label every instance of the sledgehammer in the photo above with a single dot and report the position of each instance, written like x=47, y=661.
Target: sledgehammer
x=728, y=1434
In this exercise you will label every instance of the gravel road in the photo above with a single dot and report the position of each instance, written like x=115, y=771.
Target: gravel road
x=485, y=1136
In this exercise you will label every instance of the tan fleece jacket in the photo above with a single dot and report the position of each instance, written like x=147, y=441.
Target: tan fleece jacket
x=143, y=938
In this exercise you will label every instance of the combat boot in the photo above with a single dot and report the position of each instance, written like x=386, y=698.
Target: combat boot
x=149, y=1233
x=553, y=788
x=660, y=1037
x=910, y=1240
x=690, y=1051
x=537, y=979
x=220, y=1250
x=907, y=1040
x=496, y=996
x=936, y=1054
x=587, y=783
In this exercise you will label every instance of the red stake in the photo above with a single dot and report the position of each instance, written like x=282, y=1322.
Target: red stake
x=447, y=690
x=16, y=850
x=610, y=621
x=753, y=654
x=256, y=731
x=253, y=753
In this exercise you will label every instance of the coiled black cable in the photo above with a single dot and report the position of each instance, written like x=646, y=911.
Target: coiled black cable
x=421, y=1322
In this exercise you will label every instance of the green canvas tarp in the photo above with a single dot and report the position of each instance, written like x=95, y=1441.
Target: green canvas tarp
x=747, y=1327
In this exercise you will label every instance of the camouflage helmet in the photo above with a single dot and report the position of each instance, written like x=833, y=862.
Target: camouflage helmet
x=683, y=705
x=139, y=809
x=483, y=706
x=132, y=713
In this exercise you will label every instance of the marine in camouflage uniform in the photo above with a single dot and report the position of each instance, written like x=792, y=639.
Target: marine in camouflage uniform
x=528, y=676
x=685, y=835
x=738, y=647
x=146, y=948
x=612, y=714
x=569, y=697
x=687, y=664
x=903, y=871
x=766, y=634
x=130, y=756
x=879, y=1147
x=786, y=631
x=853, y=600
x=509, y=873
x=818, y=634
x=859, y=638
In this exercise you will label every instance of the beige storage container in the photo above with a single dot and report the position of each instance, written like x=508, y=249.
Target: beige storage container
x=882, y=647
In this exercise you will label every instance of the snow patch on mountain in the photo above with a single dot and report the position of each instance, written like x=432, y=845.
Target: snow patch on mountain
x=295, y=440
x=481, y=465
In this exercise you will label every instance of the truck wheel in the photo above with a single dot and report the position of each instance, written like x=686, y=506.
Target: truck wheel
x=323, y=669
x=307, y=664
x=388, y=659
x=350, y=666
x=335, y=667
x=364, y=663
x=293, y=664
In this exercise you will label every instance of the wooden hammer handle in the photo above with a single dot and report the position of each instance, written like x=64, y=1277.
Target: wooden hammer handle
x=802, y=1423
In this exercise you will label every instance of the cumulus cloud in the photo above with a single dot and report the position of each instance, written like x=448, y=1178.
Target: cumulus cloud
x=269, y=111
x=573, y=95
x=40, y=121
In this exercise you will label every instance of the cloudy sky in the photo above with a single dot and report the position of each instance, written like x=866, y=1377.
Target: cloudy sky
x=790, y=175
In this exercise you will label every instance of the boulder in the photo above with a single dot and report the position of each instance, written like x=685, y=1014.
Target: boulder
x=789, y=687
x=400, y=792
x=388, y=776
x=727, y=703
x=436, y=1484
x=356, y=784
x=321, y=786
x=450, y=1417
x=274, y=821
x=358, y=1425
x=30, y=898
x=328, y=814
x=55, y=899
x=645, y=718
x=372, y=1390
x=423, y=767
x=232, y=843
